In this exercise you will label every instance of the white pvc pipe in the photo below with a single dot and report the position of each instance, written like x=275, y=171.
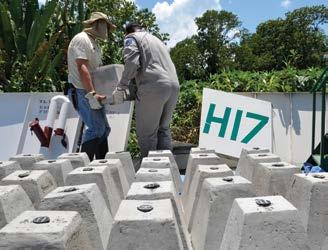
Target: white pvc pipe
x=52, y=113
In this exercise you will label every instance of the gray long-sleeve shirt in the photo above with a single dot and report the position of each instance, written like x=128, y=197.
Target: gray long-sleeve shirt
x=147, y=59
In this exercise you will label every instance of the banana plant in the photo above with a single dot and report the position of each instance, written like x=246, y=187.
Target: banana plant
x=25, y=37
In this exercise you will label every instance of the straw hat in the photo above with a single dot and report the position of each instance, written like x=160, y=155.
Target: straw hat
x=95, y=16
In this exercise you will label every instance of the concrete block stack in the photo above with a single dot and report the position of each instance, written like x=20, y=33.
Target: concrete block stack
x=77, y=160
x=26, y=161
x=8, y=167
x=153, y=174
x=126, y=160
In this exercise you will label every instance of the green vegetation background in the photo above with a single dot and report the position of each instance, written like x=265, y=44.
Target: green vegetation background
x=283, y=55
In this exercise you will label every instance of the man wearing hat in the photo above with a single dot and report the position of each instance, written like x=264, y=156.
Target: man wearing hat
x=84, y=56
x=148, y=61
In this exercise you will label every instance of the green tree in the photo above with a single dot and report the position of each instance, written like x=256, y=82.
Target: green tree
x=216, y=32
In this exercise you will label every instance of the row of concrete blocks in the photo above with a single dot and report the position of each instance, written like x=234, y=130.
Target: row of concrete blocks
x=86, y=199
x=223, y=211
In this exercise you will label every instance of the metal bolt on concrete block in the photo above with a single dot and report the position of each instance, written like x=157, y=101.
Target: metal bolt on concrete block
x=77, y=160
x=164, y=162
x=145, y=225
x=211, y=214
x=36, y=183
x=119, y=175
x=8, y=167
x=107, y=179
x=202, y=151
x=158, y=191
x=13, y=201
x=193, y=161
x=26, y=161
x=273, y=178
x=127, y=163
x=59, y=169
x=190, y=200
x=243, y=168
x=269, y=222
x=88, y=201
x=309, y=194
x=45, y=230
x=152, y=174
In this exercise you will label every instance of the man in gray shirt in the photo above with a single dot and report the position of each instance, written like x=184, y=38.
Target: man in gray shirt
x=148, y=61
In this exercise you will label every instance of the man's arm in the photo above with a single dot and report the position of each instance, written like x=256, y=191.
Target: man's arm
x=82, y=66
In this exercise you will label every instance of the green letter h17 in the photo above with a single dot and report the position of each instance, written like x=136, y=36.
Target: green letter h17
x=223, y=121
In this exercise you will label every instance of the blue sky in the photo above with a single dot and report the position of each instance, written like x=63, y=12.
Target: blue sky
x=176, y=17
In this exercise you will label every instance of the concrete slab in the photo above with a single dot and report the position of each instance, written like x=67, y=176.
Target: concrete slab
x=13, y=201
x=127, y=163
x=191, y=199
x=193, y=161
x=199, y=150
x=213, y=208
x=309, y=194
x=36, y=183
x=59, y=169
x=243, y=163
x=163, y=162
x=88, y=201
x=8, y=167
x=174, y=166
x=275, y=226
x=162, y=190
x=145, y=225
x=119, y=176
x=26, y=161
x=273, y=178
x=153, y=174
x=106, y=179
x=78, y=160
x=64, y=230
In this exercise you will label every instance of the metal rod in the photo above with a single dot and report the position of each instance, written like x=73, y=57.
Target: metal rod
x=313, y=120
x=323, y=123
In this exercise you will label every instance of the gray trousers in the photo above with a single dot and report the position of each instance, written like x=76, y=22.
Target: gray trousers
x=154, y=111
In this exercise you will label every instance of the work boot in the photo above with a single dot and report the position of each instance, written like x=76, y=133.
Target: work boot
x=90, y=147
x=102, y=149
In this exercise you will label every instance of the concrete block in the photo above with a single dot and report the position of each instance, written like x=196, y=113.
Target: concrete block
x=213, y=208
x=88, y=201
x=59, y=169
x=174, y=166
x=195, y=160
x=36, y=183
x=309, y=194
x=275, y=226
x=252, y=160
x=45, y=230
x=163, y=162
x=199, y=150
x=157, y=191
x=153, y=174
x=78, y=160
x=119, y=176
x=273, y=178
x=8, y=167
x=127, y=163
x=242, y=164
x=191, y=199
x=145, y=225
x=26, y=161
x=13, y=201
x=106, y=179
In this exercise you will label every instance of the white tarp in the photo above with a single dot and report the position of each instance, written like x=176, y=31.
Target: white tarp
x=231, y=122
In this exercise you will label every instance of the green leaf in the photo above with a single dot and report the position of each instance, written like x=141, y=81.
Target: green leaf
x=7, y=28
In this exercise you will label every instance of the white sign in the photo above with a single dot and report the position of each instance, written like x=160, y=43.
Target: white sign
x=232, y=122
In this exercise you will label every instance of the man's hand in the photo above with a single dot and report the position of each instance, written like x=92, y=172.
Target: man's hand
x=119, y=95
x=95, y=100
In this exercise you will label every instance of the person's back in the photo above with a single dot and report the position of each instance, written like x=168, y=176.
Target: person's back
x=157, y=65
